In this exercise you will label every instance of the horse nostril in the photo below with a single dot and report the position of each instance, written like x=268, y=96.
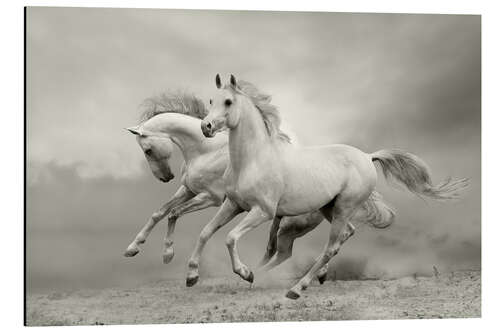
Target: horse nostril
x=206, y=128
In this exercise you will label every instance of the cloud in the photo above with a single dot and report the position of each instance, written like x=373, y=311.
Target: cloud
x=336, y=77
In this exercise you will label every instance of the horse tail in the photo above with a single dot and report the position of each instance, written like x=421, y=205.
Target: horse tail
x=375, y=212
x=414, y=174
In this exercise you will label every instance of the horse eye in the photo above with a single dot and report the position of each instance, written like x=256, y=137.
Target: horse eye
x=148, y=152
x=228, y=102
x=210, y=102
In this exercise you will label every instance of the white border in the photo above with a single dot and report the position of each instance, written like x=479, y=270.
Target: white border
x=12, y=158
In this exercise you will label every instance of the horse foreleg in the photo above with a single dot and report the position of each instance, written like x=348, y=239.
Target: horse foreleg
x=254, y=218
x=200, y=201
x=226, y=213
x=180, y=196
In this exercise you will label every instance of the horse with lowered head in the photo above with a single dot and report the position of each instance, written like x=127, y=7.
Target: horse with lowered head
x=174, y=119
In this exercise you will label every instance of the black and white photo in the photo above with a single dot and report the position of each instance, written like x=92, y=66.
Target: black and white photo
x=213, y=166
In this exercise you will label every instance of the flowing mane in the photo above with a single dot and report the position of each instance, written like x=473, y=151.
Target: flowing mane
x=170, y=101
x=268, y=111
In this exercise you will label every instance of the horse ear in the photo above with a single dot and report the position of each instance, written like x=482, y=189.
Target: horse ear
x=217, y=81
x=233, y=81
x=134, y=130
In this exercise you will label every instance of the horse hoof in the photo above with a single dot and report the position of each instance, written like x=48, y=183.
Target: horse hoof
x=292, y=294
x=168, y=256
x=322, y=279
x=131, y=252
x=249, y=278
x=191, y=281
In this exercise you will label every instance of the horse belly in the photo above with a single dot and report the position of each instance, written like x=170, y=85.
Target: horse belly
x=235, y=196
x=308, y=195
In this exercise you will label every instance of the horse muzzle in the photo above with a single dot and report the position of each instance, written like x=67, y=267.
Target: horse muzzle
x=167, y=179
x=207, y=128
x=165, y=176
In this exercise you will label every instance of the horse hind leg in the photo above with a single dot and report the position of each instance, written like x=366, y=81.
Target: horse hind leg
x=323, y=271
x=272, y=242
x=290, y=229
x=338, y=212
x=200, y=201
x=284, y=247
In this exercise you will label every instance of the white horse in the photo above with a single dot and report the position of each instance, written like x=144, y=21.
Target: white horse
x=174, y=119
x=270, y=178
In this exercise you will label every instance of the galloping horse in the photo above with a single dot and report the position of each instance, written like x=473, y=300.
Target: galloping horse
x=270, y=178
x=174, y=119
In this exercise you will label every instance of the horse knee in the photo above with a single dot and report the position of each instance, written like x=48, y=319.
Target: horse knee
x=156, y=217
x=331, y=252
x=230, y=240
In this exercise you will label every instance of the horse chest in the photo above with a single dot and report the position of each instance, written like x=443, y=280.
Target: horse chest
x=247, y=189
x=235, y=193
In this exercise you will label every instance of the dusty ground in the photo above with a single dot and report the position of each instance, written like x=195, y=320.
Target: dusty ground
x=229, y=300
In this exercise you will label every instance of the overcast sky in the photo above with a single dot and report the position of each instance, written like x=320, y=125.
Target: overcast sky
x=370, y=80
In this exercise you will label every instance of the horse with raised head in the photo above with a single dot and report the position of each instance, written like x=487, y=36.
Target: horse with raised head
x=270, y=178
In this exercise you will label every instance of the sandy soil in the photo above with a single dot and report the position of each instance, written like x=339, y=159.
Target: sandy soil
x=451, y=295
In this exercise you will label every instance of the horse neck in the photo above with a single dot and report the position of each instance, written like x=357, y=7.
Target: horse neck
x=247, y=138
x=185, y=133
